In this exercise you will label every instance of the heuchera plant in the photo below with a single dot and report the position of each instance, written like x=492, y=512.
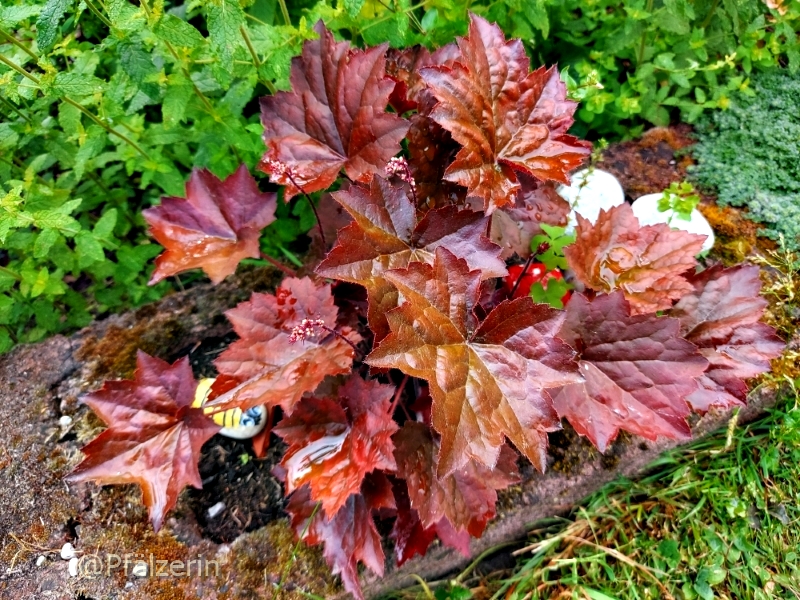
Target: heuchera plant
x=413, y=399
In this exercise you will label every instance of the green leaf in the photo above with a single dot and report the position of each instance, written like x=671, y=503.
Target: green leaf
x=353, y=7
x=551, y=293
x=124, y=15
x=6, y=343
x=176, y=99
x=11, y=16
x=597, y=595
x=69, y=118
x=178, y=32
x=44, y=241
x=53, y=219
x=88, y=249
x=74, y=84
x=138, y=64
x=104, y=228
x=49, y=21
x=225, y=17
x=555, y=238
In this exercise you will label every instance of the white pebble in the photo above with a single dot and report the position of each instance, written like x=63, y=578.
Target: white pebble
x=590, y=191
x=140, y=569
x=73, y=566
x=65, y=421
x=646, y=210
x=216, y=510
x=40, y=561
x=67, y=551
x=128, y=585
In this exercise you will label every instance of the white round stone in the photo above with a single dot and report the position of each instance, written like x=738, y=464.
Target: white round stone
x=65, y=421
x=590, y=191
x=40, y=561
x=73, y=566
x=67, y=551
x=646, y=210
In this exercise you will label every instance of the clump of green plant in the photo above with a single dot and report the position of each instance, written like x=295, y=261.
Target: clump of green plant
x=750, y=154
x=681, y=199
x=655, y=56
x=104, y=107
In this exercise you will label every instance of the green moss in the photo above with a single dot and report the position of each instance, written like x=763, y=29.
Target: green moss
x=750, y=154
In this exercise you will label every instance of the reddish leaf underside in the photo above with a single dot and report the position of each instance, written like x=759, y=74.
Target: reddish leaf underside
x=506, y=118
x=412, y=538
x=721, y=316
x=466, y=497
x=153, y=437
x=637, y=371
x=350, y=535
x=646, y=263
x=486, y=381
x=269, y=367
x=385, y=235
x=335, y=116
x=335, y=442
x=213, y=228
x=514, y=226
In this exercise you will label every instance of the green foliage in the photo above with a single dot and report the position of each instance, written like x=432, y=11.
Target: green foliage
x=549, y=246
x=105, y=107
x=655, y=58
x=750, y=154
x=681, y=198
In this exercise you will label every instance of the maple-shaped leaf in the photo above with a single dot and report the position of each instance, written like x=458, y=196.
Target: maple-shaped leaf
x=466, y=497
x=213, y=228
x=403, y=67
x=506, y=118
x=637, y=371
x=385, y=235
x=411, y=537
x=721, y=316
x=514, y=226
x=154, y=435
x=334, y=443
x=349, y=535
x=335, y=116
x=486, y=380
x=273, y=366
x=646, y=263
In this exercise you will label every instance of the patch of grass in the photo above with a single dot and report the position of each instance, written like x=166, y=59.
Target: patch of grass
x=719, y=518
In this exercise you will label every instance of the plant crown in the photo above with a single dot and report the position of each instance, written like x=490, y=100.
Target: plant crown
x=412, y=392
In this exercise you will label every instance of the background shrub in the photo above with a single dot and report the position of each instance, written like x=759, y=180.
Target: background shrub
x=750, y=154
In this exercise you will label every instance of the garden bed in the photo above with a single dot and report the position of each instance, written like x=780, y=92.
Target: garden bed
x=42, y=426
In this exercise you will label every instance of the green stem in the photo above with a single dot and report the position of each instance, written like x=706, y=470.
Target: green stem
x=98, y=14
x=256, y=61
x=10, y=273
x=285, y=12
x=188, y=77
x=19, y=45
x=707, y=21
x=297, y=545
x=18, y=69
x=15, y=109
x=640, y=53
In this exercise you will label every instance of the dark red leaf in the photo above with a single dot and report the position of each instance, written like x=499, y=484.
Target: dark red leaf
x=506, y=118
x=386, y=235
x=722, y=316
x=349, y=536
x=153, y=437
x=486, y=381
x=270, y=368
x=335, y=442
x=646, y=263
x=514, y=226
x=335, y=116
x=412, y=538
x=213, y=228
x=466, y=498
x=638, y=370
